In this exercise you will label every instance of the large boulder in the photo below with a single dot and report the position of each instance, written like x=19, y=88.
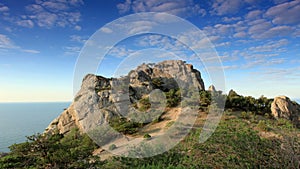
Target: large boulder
x=101, y=98
x=283, y=107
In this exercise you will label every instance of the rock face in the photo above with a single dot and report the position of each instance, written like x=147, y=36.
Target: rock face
x=212, y=88
x=101, y=98
x=283, y=107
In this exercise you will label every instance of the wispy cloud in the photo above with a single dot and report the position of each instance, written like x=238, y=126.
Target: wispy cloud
x=272, y=46
x=287, y=75
x=25, y=23
x=48, y=14
x=106, y=30
x=181, y=8
x=31, y=51
x=230, y=19
x=72, y=50
x=285, y=13
x=222, y=7
x=7, y=43
x=77, y=38
x=3, y=8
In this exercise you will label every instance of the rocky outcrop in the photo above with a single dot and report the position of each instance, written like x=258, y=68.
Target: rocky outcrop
x=101, y=98
x=283, y=107
x=212, y=88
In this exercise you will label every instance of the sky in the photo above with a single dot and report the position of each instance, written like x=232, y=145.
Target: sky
x=41, y=40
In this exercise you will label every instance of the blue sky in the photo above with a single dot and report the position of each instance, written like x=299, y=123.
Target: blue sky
x=40, y=41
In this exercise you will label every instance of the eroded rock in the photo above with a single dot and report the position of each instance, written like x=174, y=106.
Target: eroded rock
x=101, y=98
x=283, y=107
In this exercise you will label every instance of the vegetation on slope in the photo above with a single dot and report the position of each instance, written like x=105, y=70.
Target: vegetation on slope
x=247, y=137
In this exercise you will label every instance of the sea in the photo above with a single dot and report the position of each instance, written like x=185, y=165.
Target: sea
x=18, y=120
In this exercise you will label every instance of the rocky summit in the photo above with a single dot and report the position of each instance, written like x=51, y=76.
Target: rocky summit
x=118, y=96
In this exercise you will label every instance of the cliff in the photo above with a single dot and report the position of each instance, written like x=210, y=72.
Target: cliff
x=100, y=98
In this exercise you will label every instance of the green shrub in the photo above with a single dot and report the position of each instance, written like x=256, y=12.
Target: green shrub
x=262, y=125
x=112, y=147
x=267, y=115
x=73, y=150
x=144, y=104
x=123, y=125
x=147, y=136
x=173, y=97
x=169, y=124
x=245, y=115
x=157, y=82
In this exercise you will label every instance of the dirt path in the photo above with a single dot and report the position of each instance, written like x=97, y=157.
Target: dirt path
x=154, y=129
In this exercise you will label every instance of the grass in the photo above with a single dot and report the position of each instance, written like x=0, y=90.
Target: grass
x=236, y=143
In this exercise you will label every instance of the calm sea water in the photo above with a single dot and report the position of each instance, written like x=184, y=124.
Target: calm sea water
x=18, y=120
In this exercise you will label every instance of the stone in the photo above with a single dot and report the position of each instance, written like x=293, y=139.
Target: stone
x=212, y=88
x=283, y=107
x=101, y=98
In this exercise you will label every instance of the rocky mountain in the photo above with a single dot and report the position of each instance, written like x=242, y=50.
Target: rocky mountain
x=100, y=98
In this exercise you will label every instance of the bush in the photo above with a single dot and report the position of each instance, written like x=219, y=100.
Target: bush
x=147, y=136
x=262, y=125
x=52, y=151
x=173, y=97
x=123, y=125
x=144, y=104
x=169, y=124
x=245, y=115
x=112, y=147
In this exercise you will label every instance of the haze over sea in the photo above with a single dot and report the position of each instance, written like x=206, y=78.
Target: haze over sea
x=18, y=120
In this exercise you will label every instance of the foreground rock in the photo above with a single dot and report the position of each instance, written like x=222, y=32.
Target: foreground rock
x=111, y=97
x=283, y=107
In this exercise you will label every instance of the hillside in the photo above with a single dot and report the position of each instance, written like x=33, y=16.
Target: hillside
x=156, y=115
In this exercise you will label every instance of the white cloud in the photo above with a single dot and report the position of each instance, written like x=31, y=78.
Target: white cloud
x=278, y=31
x=259, y=27
x=77, y=27
x=269, y=47
x=223, y=44
x=140, y=26
x=124, y=7
x=25, y=23
x=285, y=13
x=6, y=43
x=222, y=7
x=262, y=62
x=79, y=39
x=30, y=51
x=181, y=8
x=279, y=1
x=256, y=14
x=52, y=13
x=72, y=50
x=231, y=19
x=119, y=51
x=106, y=30
x=3, y=8
x=240, y=34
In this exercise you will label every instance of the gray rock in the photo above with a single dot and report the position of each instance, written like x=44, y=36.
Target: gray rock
x=101, y=98
x=283, y=107
x=212, y=88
